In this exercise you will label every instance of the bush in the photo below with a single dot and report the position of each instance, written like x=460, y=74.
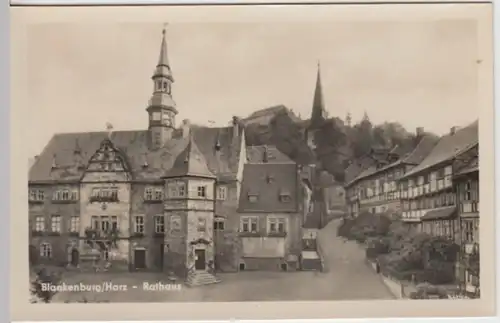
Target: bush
x=376, y=247
x=43, y=277
x=366, y=225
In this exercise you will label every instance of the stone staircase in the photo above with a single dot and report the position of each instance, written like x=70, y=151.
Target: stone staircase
x=199, y=278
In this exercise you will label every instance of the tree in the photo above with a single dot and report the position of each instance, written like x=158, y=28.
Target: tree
x=330, y=140
x=363, y=137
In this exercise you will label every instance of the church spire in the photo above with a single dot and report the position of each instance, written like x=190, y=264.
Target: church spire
x=318, y=108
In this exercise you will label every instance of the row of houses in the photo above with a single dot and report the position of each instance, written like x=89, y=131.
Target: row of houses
x=190, y=199
x=434, y=188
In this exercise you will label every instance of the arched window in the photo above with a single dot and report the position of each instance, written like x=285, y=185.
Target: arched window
x=46, y=250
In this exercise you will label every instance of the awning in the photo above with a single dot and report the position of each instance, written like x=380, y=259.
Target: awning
x=440, y=214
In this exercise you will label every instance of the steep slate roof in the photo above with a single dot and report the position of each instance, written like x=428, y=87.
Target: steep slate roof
x=190, y=162
x=414, y=157
x=268, y=181
x=134, y=145
x=448, y=147
x=255, y=154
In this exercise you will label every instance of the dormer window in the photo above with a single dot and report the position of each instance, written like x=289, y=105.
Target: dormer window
x=285, y=197
x=253, y=197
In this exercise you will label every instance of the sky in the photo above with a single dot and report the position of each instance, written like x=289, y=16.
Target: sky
x=421, y=74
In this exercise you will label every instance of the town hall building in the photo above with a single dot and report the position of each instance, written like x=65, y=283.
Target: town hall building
x=164, y=198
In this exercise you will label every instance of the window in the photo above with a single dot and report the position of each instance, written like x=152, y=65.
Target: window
x=176, y=189
x=36, y=195
x=74, y=224
x=202, y=224
x=159, y=224
x=249, y=224
x=158, y=194
x=104, y=195
x=221, y=193
x=175, y=224
x=139, y=224
x=276, y=225
x=202, y=191
x=114, y=223
x=219, y=224
x=156, y=116
x=469, y=231
x=253, y=198
x=148, y=194
x=39, y=224
x=46, y=250
x=95, y=222
x=153, y=194
x=55, y=223
x=105, y=224
x=468, y=191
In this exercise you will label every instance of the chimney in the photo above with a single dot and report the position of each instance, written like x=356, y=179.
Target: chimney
x=185, y=128
x=265, y=155
x=420, y=131
x=453, y=130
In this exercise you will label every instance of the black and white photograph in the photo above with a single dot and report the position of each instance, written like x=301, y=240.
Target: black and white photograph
x=184, y=161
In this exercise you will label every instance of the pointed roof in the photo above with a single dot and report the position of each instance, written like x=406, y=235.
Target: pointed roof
x=448, y=147
x=163, y=66
x=190, y=162
x=318, y=109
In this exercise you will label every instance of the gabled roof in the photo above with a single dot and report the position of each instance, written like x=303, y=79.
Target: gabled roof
x=256, y=154
x=144, y=163
x=448, y=147
x=471, y=167
x=190, y=162
x=267, y=181
x=414, y=157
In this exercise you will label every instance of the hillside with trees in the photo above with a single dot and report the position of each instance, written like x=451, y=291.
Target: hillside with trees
x=338, y=142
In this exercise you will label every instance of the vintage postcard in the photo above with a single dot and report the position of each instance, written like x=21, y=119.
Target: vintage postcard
x=262, y=162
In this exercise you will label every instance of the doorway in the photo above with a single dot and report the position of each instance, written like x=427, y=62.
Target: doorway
x=199, y=263
x=75, y=256
x=140, y=258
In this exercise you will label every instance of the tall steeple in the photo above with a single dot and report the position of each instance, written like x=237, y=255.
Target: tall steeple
x=318, y=115
x=162, y=108
x=318, y=108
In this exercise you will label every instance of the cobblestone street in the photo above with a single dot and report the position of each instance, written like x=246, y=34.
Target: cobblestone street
x=347, y=278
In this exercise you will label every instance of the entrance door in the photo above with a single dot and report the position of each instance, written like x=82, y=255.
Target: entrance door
x=199, y=263
x=75, y=256
x=140, y=258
